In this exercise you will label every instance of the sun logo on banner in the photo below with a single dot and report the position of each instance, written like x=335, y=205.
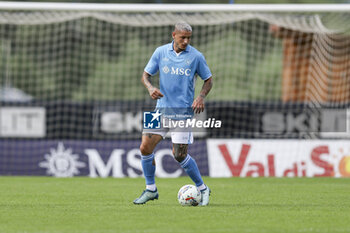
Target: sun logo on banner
x=61, y=162
x=344, y=164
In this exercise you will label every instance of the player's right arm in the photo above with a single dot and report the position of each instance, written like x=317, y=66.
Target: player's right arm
x=153, y=91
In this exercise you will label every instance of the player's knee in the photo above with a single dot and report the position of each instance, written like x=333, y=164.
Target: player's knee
x=145, y=149
x=179, y=156
x=179, y=152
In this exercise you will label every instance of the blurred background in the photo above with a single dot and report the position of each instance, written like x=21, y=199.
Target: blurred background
x=70, y=82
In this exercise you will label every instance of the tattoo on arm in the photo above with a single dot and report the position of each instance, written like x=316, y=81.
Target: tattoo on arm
x=206, y=87
x=146, y=80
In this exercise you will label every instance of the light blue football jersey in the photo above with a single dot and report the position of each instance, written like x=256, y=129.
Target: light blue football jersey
x=177, y=74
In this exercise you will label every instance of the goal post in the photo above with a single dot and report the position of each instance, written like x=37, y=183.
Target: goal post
x=107, y=7
x=71, y=71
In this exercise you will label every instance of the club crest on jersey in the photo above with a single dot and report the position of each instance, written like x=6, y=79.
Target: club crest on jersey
x=166, y=69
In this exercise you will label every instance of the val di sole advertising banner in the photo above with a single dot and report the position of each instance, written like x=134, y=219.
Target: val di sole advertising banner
x=278, y=158
x=67, y=158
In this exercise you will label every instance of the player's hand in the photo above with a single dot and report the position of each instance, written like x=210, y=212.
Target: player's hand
x=155, y=93
x=198, y=105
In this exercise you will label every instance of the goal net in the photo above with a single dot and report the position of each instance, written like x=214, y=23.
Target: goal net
x=71, y=72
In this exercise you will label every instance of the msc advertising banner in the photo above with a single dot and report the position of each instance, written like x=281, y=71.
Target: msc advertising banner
x=278, y=158
x=67, y=158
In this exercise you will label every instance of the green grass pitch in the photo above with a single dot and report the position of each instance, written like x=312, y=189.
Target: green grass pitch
x=86, y=205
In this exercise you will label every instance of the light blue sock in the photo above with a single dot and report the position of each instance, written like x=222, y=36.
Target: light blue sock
x=191, y=168
x=148, y=168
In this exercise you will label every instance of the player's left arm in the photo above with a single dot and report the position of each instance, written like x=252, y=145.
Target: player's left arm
x=198, y=103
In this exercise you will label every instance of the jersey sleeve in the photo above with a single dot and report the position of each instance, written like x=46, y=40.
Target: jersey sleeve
x=202, y=68
x=152, y=66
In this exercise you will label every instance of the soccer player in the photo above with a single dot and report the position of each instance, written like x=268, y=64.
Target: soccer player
x=178, y=63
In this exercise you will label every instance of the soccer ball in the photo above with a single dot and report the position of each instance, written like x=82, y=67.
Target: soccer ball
x=189, y=195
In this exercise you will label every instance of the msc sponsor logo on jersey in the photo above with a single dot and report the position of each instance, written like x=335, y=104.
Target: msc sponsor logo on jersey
x=177, y=71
